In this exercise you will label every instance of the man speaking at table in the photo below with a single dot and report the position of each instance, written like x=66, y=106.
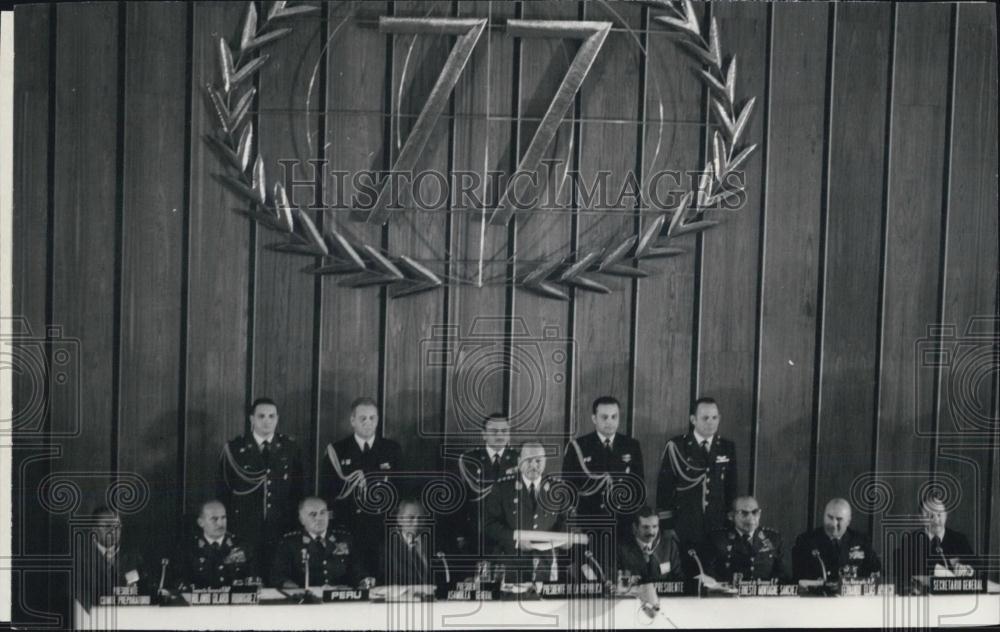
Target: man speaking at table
x=834, y=551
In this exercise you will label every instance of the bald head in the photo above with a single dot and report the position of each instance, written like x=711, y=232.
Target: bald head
x=836, y=517
x=212, y=519
x=532, y=460
x=935, y=515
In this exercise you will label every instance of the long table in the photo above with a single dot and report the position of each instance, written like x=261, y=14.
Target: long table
x=565, y=614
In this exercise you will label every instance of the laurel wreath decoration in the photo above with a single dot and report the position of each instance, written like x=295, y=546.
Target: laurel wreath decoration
x=367, y=265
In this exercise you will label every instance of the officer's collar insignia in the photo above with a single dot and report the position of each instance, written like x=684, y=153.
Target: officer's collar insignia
x=546, y=486
x=229, y=541
x=345, y=461
x=341, y=549
x=385, y=466
x=586, y=459
x=517, y=485
x=511, y=470
x=306, y=539
x=242, y=450
x=732, y=536
x=626, y=458
x=201, y=542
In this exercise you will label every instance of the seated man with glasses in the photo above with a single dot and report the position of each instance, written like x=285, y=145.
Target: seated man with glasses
x=746, y=548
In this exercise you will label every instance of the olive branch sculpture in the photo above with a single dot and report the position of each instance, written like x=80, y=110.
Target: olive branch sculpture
x=366, y=265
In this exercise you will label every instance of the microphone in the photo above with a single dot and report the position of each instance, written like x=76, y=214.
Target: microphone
x=163, y=572
x=697, y=560
x=590, y=556
x=444, y=560
x=305, y=567
x=815, y=553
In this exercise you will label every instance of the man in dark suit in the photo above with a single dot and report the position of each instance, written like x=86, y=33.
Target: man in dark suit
x=697, y=482
x=479, y=468
x=104, y=564
x=604, y=455
x=347, y=470
x=746, y=548
x=410, y=552
x=214, y=557
x=524, y=502
x=647, y=555
x=329, y=554
x=933, y=549
x=261, y=480
x=834, y=551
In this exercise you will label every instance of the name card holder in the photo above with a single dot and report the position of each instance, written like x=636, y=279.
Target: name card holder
x=335, y=595
x=957, y=585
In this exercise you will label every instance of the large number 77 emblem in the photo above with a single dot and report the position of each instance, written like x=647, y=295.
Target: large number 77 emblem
x=469, y=31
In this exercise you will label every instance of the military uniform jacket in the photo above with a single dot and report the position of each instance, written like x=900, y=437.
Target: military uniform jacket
x=478, y=474
x=918, y=554
x=624, y=459
x=854, y=553
x=760, y=558
x=662, y=564
x=384, y=456
x=332, y=560
x=693, y=491
x=509, y=507
x=200, y=564
x=261, y=492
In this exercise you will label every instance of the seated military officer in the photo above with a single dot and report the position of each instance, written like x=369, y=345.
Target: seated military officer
x=316, y=555
x=214, y=557
x=746, y=548
x=834, y=551
x=934, y=549
x=648, y=555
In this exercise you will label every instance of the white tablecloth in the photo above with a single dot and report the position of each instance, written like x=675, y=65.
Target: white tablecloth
x=560, y=614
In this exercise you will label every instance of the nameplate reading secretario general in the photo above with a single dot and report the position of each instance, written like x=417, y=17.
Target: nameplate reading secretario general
x=952, y=585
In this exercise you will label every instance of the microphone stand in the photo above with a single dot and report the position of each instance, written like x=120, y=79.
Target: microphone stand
x=827, y=588
x=307, y=596
x=165, y=596
x=604, y=580
x=701, y=569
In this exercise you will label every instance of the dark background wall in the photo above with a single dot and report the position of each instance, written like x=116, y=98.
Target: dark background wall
x=871, y=216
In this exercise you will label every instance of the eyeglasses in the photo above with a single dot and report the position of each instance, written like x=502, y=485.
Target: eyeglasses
x=748, y=512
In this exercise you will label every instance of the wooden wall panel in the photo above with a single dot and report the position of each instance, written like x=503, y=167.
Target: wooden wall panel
x=970, y=279
x=413, y=403
x=351, y=325
x=854, y=231
x=603, y=364
x=477, y=383
x=84, y=226
x=913, y=248
x=730, y=253
x=543, y=323
x=218, y=269
x=153, y=221
x=664, y=317
x=792, y=231
x=31, y=594
x=284, y=300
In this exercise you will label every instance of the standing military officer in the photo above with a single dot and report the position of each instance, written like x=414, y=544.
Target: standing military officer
x=261, y=480
x=523, y=502
x=605, y=451
x=834, y=551
x=349, y=466
x=747, y=548
x=214, y=557
x=697, y=482
x=479, y=469
x=329, y=554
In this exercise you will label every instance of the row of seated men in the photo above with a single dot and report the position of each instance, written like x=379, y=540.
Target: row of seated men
x=317, y=554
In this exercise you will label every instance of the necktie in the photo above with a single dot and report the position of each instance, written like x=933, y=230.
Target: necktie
x=531, y=498
x=746, y=539
x=705, y=447
x=607, y=445
x=368, y=448
x=265, y=448
x=935, y=543
x=215, y=546
x=496, y=466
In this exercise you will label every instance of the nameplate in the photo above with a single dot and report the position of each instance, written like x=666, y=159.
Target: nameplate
x=345, y=595
x=669, y=588
x=951, y=585
x=128, y=599
x=766, y=589
x=226, y=596
x=572, y=590
x=471, y=595
x=865, y=589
